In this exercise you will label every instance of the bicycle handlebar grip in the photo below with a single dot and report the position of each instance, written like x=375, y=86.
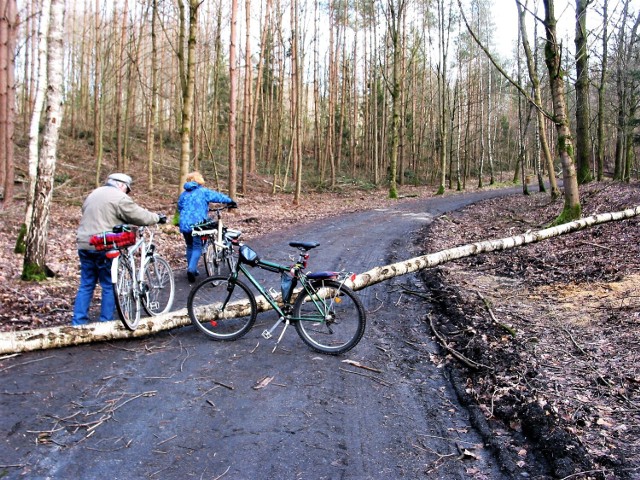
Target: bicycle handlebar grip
x=163, y=218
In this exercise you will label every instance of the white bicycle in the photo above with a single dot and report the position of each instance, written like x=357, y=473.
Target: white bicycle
x=217, y=243
x=141, y=278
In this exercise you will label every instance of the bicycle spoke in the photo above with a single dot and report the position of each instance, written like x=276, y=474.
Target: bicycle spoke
x=160, y=286
x=330, y=319
x=220, y=310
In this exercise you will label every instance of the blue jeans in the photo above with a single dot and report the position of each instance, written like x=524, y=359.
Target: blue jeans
x=194, y=251
x=94, y=267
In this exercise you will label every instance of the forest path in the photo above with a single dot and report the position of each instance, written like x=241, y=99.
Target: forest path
x=177, y=405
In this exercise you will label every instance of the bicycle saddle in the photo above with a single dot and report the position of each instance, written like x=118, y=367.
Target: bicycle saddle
x=304, y=245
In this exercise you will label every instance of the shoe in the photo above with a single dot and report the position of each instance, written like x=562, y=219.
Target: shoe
x=191, y=277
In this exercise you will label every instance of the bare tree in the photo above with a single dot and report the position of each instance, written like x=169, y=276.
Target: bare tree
x=188, y=86
x=572, y=209
x=233, y=94
x=8, y=26
x=34, y=266
x=583, y=139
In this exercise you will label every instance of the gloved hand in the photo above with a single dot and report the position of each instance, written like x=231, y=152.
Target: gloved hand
x=163, y=218
x=233, y=205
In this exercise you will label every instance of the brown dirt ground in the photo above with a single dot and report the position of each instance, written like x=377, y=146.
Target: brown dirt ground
x=568, y=382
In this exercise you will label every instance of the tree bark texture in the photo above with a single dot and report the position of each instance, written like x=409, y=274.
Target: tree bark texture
x=64, y=336
x=572, y=207
x=36, y=244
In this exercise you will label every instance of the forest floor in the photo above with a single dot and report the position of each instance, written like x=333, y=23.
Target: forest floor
x=549, y=332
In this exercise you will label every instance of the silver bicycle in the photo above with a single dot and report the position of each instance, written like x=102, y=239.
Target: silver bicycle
x=141, y=278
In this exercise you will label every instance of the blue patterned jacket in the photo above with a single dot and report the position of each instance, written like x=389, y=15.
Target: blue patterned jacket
x=193, y=204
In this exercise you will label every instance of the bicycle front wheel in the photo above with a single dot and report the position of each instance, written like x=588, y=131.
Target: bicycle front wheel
x=125, y=291
x=329, y=317
x=159, y=287
x=222, y=308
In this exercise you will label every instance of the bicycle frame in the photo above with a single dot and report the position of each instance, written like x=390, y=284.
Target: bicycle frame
x=146, y=249
x=284, y=312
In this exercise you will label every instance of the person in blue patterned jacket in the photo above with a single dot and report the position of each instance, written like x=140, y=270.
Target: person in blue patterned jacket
x=193, y=207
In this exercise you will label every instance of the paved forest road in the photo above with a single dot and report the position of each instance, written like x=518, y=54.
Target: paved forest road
x=179, y=406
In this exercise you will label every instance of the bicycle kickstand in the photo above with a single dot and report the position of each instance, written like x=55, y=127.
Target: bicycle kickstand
x=269, y=333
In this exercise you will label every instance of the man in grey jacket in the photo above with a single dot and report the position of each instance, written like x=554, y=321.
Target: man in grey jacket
x=103, y=209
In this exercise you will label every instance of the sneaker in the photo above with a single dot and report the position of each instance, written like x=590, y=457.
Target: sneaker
x=191, y=277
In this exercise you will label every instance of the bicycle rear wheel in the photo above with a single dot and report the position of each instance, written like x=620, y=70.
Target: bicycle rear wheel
x=218, y=261
x=160, y=286
x=222, y=308
x=330, y=319
x=125, y=291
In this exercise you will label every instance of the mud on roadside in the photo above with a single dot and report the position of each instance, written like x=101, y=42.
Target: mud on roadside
x=543, y=338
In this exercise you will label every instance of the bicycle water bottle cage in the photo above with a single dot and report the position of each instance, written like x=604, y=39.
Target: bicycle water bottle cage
x=322, y=275
x=304, y=245
x=248, y=256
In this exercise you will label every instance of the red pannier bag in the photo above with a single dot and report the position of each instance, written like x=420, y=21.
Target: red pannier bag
x=113, y=240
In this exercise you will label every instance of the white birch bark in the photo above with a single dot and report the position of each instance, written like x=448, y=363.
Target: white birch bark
x=34, y=127
x=63, y=336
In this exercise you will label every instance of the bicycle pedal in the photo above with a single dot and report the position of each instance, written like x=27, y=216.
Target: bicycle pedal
x=266, y=334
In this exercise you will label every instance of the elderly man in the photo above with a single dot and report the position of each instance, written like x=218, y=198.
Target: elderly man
x=103, y=209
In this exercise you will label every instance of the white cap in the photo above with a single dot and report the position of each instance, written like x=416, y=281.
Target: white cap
x=122, y=178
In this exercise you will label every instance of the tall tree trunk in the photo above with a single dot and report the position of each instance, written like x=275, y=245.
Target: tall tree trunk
x=535, y=83
x=38, y=104
x=153, y=101
x=97, y=96
x=247, y=107
x=583, y=139
x=395, y=14
x=34, y=266
x=120, y=162
x=443, y=48
x=572, y=209
x=8, y=25
x=233, y=94
x=187, y=92
x=601, y=92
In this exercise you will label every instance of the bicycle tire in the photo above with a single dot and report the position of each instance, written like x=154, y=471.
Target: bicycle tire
x=126, y=296
x=159, y=287
x=218, y=262
x=229, y=323
x=329, y=317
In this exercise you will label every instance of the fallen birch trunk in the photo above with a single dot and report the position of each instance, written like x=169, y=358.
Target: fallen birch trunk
x=64, y=336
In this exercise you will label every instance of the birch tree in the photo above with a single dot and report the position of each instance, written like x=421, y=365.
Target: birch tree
x=34, y=128
x=34, y=266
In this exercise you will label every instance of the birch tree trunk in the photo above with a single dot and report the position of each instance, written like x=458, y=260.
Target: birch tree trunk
x=34, y=127
x=34, y=267
x=64, y=336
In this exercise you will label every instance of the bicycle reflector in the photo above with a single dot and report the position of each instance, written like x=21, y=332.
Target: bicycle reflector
x=112, y=254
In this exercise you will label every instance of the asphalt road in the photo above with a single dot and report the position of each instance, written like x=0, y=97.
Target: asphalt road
x=180, y=406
